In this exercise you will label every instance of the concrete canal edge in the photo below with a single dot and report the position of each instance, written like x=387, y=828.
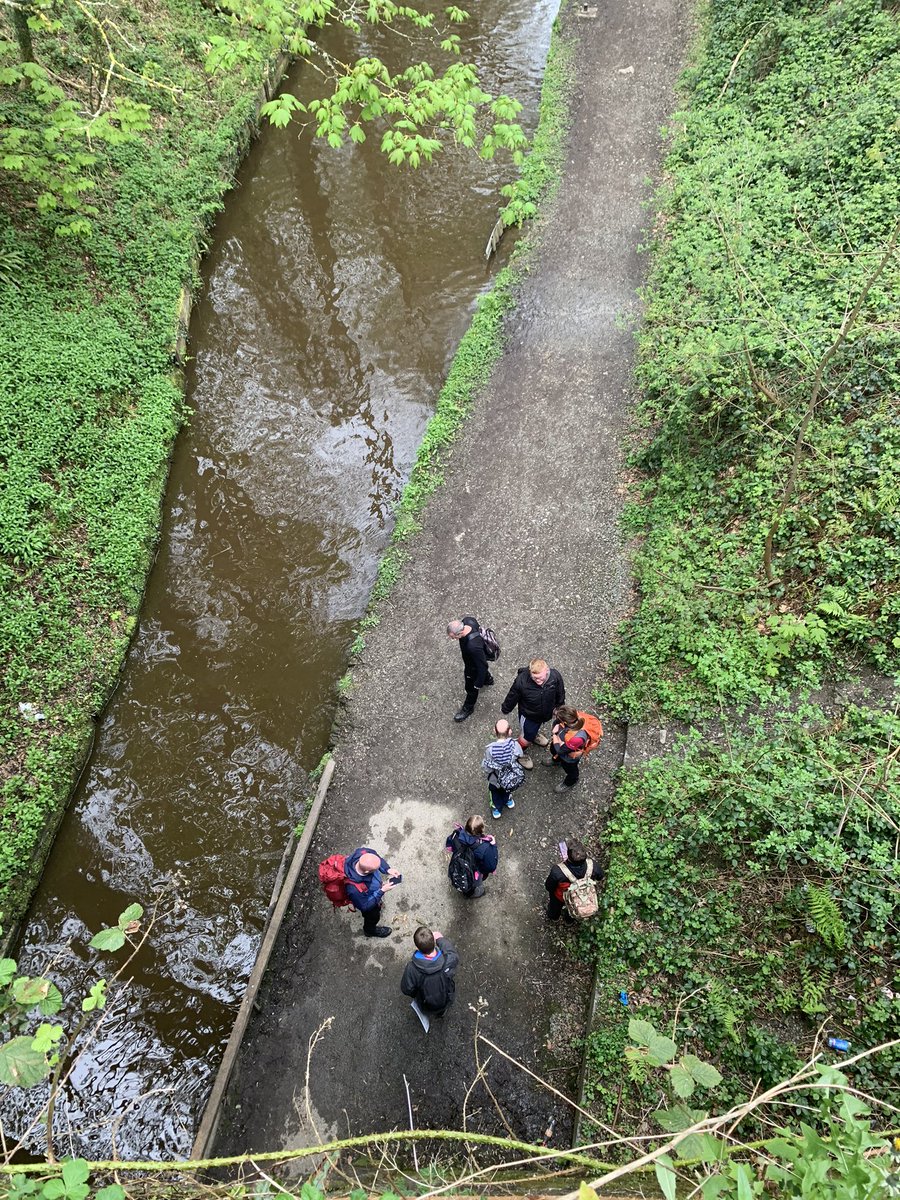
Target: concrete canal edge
x=206, y=1130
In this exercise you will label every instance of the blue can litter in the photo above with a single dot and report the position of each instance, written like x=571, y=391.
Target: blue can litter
x=623, y=998
x=839, y=1044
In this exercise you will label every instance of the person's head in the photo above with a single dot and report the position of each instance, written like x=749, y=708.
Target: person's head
x=568, y=716
x=424, y=940
x=502, y=729
x=368, y=863
x=539, y=671
x=475, y=826
x=577, y=852
x=455, y=630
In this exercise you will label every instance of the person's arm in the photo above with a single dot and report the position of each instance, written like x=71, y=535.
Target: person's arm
x=557, y=737
x=552, y=880
x=489, y=856
x=448, y=950
x=597, y=872
x=512, y=698
x=478, y=660
x=560, y=690
x=409, y=984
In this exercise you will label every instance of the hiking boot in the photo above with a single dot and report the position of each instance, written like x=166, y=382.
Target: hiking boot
x=495, y=813
x=463, y=714
x=379, y=931
x=526, y=761
x=564, y=787
x=510, y=803
x=540, y=740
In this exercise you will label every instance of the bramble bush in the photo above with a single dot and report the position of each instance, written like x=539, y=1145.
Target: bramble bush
x=763, y=388
x=757, y=880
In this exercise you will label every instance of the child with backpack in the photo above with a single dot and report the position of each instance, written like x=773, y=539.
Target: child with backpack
x=502, y=768
x=572, y=885
x=473, y=857
x=428, y=978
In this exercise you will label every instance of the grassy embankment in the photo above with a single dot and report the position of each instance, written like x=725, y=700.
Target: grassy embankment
x=753, y=883
x=89, y=400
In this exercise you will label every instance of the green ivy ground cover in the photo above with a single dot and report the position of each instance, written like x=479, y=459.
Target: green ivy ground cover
x=89, y=404
x=756, y=882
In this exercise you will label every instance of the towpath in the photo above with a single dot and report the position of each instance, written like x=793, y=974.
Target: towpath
x=524, y=533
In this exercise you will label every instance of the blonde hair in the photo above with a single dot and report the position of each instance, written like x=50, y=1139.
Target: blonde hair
x=537, y=665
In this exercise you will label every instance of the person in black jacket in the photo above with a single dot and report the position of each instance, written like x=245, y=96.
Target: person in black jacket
x=537, y=690
x=557, y=885
x=484, y=849
x=476, y=673
x=428, y=977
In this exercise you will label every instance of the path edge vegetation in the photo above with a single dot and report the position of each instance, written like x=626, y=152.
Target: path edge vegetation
x=752, y=875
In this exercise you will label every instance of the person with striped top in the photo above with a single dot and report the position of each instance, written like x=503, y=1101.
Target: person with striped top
x=502, y=768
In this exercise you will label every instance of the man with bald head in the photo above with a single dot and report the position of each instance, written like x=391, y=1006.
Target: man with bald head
x=365, y=870
x=476, y=672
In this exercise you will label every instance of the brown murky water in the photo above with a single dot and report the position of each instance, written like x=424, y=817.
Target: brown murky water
x=334, y=297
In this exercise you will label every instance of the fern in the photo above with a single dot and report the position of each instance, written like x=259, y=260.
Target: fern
x=812, y=992
x=722, y=1009
x=826, y=916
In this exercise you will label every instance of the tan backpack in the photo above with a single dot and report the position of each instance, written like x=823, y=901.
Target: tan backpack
x=580, y=897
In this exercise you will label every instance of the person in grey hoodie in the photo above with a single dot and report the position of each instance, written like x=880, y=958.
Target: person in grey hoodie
x=428, y=977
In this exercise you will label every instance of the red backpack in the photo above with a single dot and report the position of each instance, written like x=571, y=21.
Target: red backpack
x=334, y=880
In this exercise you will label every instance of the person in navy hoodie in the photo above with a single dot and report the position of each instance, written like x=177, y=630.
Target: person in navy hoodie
x=365, y=870
x=484, y=847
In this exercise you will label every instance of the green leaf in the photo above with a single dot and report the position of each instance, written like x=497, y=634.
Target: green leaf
x=682, y=1082
x=74, y=1172
x=702, y=1146
x=133, y=912
x=665, y=1176
x=96, y=998
x=585, y=1192
x=703, y=1073
x=8, y=968
x=111, y=1192
x=678, y=1117
x=744, y=1182
x=37, y=993
x=108, y=939
x=661, y=1050
x=641, y=1032
x=46, y=1037
x=21, y=1065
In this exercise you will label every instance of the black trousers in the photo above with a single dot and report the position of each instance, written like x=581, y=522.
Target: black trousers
x=555, y=909
x=472, y=690
x=371, y=919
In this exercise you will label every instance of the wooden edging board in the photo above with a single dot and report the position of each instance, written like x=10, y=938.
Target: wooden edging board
x=206, y=1130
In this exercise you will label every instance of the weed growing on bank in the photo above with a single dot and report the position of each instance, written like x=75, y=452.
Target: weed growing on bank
x=89, y=405
x=770, y=365
x=753, y=886
x=753, y=881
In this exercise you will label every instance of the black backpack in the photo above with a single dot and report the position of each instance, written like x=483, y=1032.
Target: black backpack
x=436, y=991
x=461, y=868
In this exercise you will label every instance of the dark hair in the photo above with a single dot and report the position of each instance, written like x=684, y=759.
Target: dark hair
x=424, y=939
x=577, y=852
x=475, y=826
x=568, y=716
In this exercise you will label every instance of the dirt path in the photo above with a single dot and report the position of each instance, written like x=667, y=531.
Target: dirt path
x=524, y=533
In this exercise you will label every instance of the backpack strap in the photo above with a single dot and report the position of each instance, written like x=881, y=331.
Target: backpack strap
x=568, y=874
x=590, y=869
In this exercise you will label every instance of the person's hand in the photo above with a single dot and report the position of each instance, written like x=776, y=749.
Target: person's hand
x=394, y=877
x=387, y=887
x=436, y=934
x=448, y=849
x=489, y=837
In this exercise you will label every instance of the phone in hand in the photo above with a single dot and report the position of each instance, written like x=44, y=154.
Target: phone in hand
x=398, y=878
